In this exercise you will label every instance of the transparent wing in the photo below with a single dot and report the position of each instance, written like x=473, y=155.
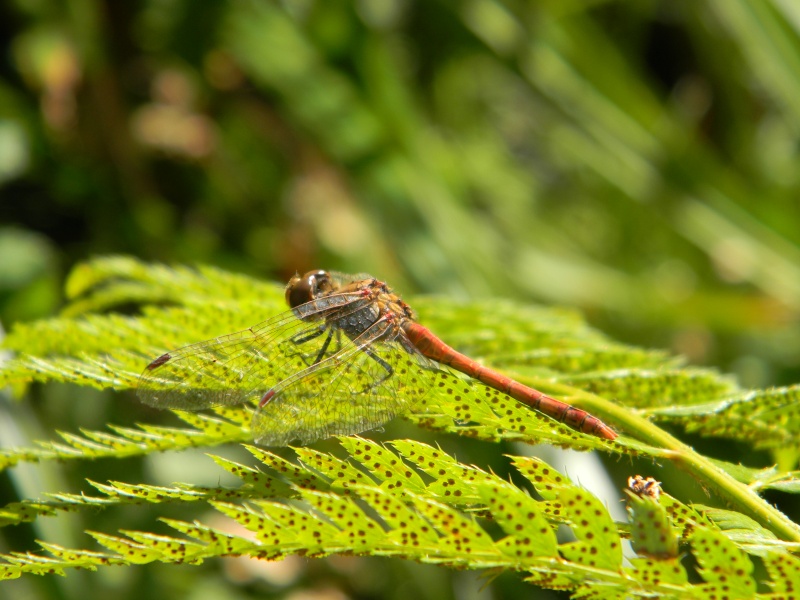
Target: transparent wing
x=343, y=279
x=369, y=381
x=242, y=366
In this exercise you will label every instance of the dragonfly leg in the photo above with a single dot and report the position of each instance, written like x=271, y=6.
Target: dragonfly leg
x=389, y=370
x=325, y=344
x=323, y=351
x=302, y=338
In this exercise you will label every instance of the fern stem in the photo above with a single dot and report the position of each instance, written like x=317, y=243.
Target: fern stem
x=742, y=497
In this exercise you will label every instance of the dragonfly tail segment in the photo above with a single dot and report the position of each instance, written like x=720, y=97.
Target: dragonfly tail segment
x=431, y=346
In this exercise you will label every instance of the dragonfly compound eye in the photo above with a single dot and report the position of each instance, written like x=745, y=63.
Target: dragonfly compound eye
x=306, y=288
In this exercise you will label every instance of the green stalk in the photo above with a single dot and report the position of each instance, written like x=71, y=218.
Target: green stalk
x=626, y=419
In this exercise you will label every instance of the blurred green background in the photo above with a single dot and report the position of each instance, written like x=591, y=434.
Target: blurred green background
x=636, y=160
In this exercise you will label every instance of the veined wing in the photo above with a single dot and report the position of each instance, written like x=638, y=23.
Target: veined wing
x=343, y=279
x=235, y=368
x=368, y=382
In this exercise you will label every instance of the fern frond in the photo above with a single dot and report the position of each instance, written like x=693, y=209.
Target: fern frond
x=112, y=280
x=231, y=425
x=118, y=493
x=644, y=388
x=371, y=514
x=770, y=419
x=548, y=347
x=411, y=500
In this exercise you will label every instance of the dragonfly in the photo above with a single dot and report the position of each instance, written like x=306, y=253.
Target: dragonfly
x=346, y=357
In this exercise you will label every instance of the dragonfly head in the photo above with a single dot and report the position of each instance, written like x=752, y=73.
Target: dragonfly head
x=302, y=289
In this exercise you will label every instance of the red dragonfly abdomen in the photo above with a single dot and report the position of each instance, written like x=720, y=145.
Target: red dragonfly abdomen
x=431, y=346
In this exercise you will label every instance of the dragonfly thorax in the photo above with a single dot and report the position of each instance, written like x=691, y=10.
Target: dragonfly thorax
x=357, y=322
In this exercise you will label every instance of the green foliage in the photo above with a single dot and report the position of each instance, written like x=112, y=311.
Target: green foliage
x=373, y=513
x=408, y=499
x=636, y=160
x=633, y=159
